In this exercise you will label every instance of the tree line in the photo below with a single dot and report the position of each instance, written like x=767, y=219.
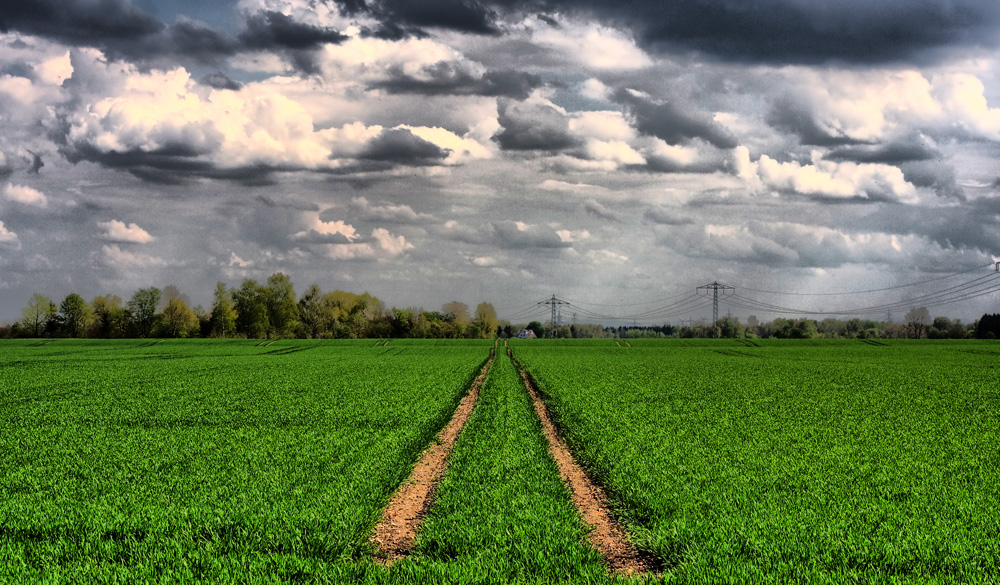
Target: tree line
x=253, y=310
x=272, y=309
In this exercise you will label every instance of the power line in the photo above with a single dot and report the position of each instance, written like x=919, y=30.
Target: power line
x=872, y=290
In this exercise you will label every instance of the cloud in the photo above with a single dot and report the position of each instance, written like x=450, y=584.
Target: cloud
x=118, y=231
x=385, y=246
x=8, y=239
x=788, y=244
x=536, y=124
x=219, y=80
x=237, y=262
x=326, y=232
x=78, y=20
x=600, y=211
x=401, y=146
x=25, y=195
x=786, y=31
x=449, y=78
x=519, y=235
x=606, y=257
x=673, y=122
x=838, y=180
x=667, y=216
x=269, y=29
x=902, y=149
x=113, y=255
x=163, y=127
x=592, y=45
x=387, y=212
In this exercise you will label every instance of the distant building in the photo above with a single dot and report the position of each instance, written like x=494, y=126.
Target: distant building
x=527, y=334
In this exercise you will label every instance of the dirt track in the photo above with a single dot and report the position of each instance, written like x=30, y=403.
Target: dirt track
x=607, y=536
x=395, y=533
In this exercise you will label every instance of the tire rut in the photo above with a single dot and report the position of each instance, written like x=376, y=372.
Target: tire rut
x=397, y=530
x=606, y=535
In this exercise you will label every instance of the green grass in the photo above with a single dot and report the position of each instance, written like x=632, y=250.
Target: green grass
x=250, y=462
x=824, y=462
x=502, y=514
x=213, y=461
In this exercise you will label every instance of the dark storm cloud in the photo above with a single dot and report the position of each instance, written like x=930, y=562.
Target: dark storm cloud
x=525, y=126
x=672, y=122
x=400, y=146
x=600, y=211
x=220, y=80
x=799, y=31
x=905, y=149
x=661, y=216
x=36, y=163
x=776, y=31
x=790, y=115
x=399, y=18
x=77, y=20
x=935, y=175
x=174, y=165
x=273, y=29
x=447, y=78
x=966, y=227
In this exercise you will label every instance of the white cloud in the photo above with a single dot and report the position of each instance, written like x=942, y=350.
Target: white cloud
x=573, y=236
x=25, y=195
x=8, y=239
x=554, y=185
x=115, y=256
x=594, y=89
x=119, y=231
x=462, y=148
x=592, y=45
x=237, y=262
x=484, y=261
x=826, y=178
x=385, y=246
x=606, y=256
x=56, y=70
x=613, y=150
x=601, y=125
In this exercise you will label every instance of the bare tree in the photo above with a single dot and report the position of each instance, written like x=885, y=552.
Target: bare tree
x=916, y=321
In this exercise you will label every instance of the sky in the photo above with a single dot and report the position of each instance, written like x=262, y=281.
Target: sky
x=617, y=155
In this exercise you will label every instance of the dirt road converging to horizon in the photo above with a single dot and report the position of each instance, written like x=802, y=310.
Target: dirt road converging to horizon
x=607, y=535
x=396, y=531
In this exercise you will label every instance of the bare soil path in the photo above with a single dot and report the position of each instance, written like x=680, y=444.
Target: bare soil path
x=396, y=531
x=606, y=534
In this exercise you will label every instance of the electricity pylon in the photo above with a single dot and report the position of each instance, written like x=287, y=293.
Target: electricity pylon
x=715, y=287
x=554, y=303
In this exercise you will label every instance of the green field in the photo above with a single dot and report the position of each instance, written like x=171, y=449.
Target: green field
x=242, y=461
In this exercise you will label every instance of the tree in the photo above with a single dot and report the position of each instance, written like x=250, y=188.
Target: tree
x=223, y=316
x=311, y=312
x=457, y=312
x=250, y=302
x=178, y=319
x=110, y=317
x=486, y=320
x=538, y=328
x=282, y=308
x=76, y=315
x=142, y=310
x=916, y=321
x=988, y=327
x=33, y=317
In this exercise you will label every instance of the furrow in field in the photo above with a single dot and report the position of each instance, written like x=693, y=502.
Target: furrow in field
x=396, y=531
x=606, y=534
